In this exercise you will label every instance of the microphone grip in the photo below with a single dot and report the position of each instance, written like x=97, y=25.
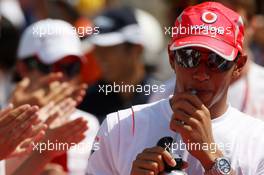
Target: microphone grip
x=166, y=143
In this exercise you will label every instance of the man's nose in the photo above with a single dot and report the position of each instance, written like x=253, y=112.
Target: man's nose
x=201, y=73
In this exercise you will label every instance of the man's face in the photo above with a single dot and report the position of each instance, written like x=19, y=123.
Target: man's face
x=211, y=86
x=115, y=61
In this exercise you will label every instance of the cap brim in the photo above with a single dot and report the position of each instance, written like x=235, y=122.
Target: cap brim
x=50, y=55
x=220, y=47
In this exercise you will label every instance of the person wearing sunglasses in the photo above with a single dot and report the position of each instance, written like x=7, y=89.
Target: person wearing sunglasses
x=70, y=65
x=211, y=136
x=245, y=93
x=50, y=59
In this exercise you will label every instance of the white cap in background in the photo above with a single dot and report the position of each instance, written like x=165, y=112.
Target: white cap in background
x=153, y=37
x=50, y=40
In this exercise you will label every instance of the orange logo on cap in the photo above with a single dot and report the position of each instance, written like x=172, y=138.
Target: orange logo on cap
x=209, y=17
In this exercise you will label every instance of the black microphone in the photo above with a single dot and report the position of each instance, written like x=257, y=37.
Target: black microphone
x=167, y=144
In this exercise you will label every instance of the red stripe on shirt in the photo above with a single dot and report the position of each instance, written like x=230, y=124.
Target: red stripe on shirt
x=133, y=121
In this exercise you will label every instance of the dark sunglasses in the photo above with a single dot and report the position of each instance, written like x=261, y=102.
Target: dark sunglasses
x=191, y=58
x=69, y=69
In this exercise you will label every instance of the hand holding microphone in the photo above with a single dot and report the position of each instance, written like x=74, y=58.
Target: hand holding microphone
x=167, y=144
x=155, y=160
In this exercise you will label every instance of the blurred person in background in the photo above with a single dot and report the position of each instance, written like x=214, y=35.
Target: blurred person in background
x=12, y=10
x=9, y=38
x=64, y=10
x=17, y=126
x=23, y=130
x=257, y=43
x=20, y=126
x=119, y=48
x=151, y=31
x=53, y=46
x=90, y=71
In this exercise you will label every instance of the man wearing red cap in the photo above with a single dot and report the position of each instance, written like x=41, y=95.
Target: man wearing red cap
x=211, y=136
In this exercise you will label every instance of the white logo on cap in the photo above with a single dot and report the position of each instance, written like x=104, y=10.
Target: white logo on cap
x=209, y=17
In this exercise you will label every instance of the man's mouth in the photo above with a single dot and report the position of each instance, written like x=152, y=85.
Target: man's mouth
x=196, y=91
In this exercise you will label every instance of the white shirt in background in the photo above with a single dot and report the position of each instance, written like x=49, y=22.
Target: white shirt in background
x=247, y=93
x=2, y=167
x=77, y=159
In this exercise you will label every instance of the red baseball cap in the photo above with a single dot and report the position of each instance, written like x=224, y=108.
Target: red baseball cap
x=212, y=26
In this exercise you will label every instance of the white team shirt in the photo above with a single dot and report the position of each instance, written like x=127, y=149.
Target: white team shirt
x=122, y=136
x=77, y=158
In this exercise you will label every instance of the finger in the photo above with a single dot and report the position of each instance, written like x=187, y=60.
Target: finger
x=193, y=99
x=165, y=155
x=50, y=78
x=28, y=146
x=37, y=129
x=62, y=110
x=181, y=118
x=22, y=85
x=78, y=129
x=64, y=94
x=20, y=136
x=183, y=129
x=29, y=115
x=23, y=125
x=79, y=93
x=77, y=132
x=59, y=93
x=6, y=110
x=148, y=165
x=49, y=107
x=68, y=108
x=141, y=171
x=153, y=157
x=185, y=106
x=37, y=121
x=53, y=89
x=76, y=139
x=40, y=135
x=52, y=118
x=73, y=124
x=68, y=112
x=12, y=115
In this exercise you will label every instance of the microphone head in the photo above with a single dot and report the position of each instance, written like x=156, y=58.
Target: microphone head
x=166, y=143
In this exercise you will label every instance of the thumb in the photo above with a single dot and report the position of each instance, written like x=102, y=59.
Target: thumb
x=23, y=84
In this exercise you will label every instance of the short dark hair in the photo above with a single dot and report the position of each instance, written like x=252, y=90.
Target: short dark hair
x=9, y=39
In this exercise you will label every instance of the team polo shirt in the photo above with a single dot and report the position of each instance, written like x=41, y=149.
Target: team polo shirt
x=126, y=133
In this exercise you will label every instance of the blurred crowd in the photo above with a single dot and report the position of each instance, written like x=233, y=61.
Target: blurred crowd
x=59, y=57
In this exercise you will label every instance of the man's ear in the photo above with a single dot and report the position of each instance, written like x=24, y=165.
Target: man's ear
x=242, y=60
x=136, y=51
x=22, y=69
